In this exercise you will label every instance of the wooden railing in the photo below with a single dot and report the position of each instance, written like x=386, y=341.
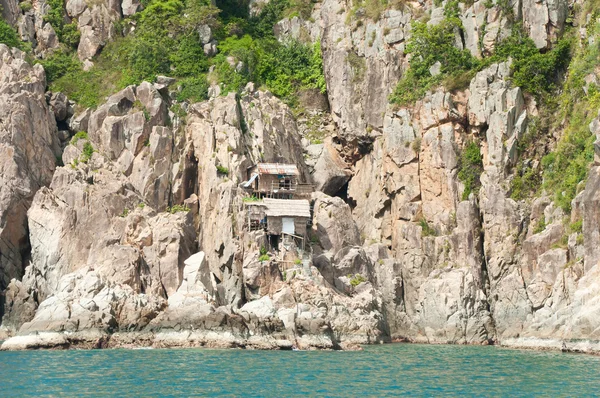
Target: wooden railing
x=291, y=187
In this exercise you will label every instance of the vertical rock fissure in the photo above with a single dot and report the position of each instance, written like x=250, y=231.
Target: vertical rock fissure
x=486, y=279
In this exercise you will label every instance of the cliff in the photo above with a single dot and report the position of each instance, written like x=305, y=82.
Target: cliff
x=453, y=154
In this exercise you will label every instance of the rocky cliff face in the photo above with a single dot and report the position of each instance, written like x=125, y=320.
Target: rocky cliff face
x=141, y=239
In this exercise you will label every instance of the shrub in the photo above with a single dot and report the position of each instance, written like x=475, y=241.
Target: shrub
x=374, y=8
x=356, y=280
x=291, y=67
x=8, y=35
x=576, y=226
x=567, y=166
x=60, y=63
x=194, y=89
x=430, y=44
x=524, y=183
x=540, y=226
x=177, y=208
x=70, y=34
x=297, y=261
x=264, y=257
x=535, y=72
x=302, y=8
x=81, y=135
x=470, y=169
x=67, y=33
x=416, y=145
x=222, y=170
x=426, y=230
x=188, y=59
x=263, y=250
x=88, y=151
x=89, y=88
x=25, y=6
x=357, y=64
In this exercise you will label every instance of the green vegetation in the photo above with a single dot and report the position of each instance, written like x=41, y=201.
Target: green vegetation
x=535, y=72
x=568, y=165
x=297, y=261
x=540, y=226
x=64, y=73
x=25, y=6
x=430, y=44
x=9, y=36
x=264, y=257
x=222, y=170
x=357, y=64
x=284, y=69
x=470, y=169
x=566, y=168
x=88, y=151
x=251, y=199
x=524, y=183
x=125, y=213
x=576, y=226
x=416, y=145
x=67, y=32
x=81, y=135
x=426, y=230
x=356, y=280
x=165, y=41
x=177, y=208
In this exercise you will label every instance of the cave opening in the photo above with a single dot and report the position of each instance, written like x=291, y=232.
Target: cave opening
x=190, y=176
x=63, y=125
x=342, y=193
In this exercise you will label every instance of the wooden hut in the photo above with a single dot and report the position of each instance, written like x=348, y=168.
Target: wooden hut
x=279, y=216
x=275, y=180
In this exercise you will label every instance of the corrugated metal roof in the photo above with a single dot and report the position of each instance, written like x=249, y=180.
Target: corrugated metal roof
x=277, y=168
x=287, y=207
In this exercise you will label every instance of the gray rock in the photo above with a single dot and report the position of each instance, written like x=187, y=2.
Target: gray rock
x=130, y=7
x=28, y=153
x=59, y=105
x=435, y=69
x=210, y=49
x=205, y=34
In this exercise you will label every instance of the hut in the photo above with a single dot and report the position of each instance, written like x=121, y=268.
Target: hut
x=280, y=218
x=287, y=216
x=275, y=180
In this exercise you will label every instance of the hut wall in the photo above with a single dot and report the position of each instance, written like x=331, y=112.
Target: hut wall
x=265, y=182
x=274, y=225
x=256, y=212
x=300, y=226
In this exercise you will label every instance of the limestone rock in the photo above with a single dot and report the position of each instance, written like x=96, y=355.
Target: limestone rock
x=28, y=152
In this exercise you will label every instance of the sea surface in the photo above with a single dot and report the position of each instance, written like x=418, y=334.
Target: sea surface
x=385, y=370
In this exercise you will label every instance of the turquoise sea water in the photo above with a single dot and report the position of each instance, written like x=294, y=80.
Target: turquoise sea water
x=388, y=370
